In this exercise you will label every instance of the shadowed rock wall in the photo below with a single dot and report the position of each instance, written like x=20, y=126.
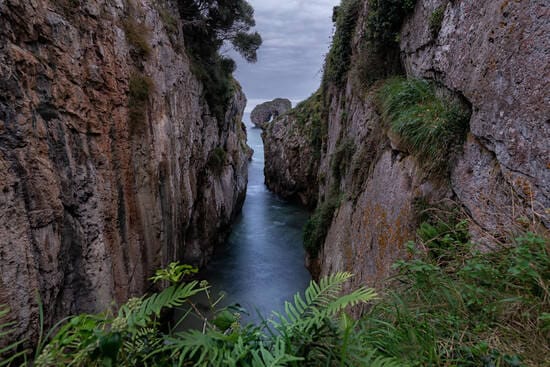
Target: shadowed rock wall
x=91, y=200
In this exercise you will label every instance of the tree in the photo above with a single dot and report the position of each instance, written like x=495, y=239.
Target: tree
x=214, y=22
x=207, y=26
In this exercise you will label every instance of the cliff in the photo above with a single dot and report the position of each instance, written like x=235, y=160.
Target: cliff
x=490, y=61
x=265, y=112
x=111, y=165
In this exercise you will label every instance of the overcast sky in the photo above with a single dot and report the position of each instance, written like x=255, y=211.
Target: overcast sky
x=296, y=37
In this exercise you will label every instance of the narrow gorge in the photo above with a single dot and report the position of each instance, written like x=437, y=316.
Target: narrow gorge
x=337, y=152
x=151, y=214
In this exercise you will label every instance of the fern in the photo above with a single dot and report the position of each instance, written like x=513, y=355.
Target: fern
x=9, y=352
x=321, y=301
x=171, y=297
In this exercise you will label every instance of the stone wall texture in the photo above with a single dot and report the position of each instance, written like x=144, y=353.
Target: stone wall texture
x=91, y=201
x=494, y=56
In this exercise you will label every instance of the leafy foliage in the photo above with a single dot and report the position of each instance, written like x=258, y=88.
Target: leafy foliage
x=316, y=228
x=385, y=19
x=378, y=53
x=174, y=273
x=208, y=25
x=338, y=59
x=429, y=125
x=12, y=351
x=461, y=307
x=313, y=329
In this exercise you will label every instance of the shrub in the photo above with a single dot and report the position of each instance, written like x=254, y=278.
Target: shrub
x=436, y=19
x=430, y=126
x=139, y=88
x=468, y=308
x=338, y=59
x=314, y=330
x=216, y=160
x=309, y=116
x=316, y=228
x=379, y=54
x=341, y=157
x=137, y=34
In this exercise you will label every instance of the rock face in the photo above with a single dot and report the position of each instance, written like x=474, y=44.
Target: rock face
x=92, y=201
x=494, y=55
x=265, y=112
x=292, y=154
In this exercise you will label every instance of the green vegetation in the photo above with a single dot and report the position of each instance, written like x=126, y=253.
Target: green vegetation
x=450, y=305
x=430, y=126
x=338, y=59
x=436, y=19
x=316, y=228
x=216, y=160
x=385, y=20
x=453, y=305
x=208, y=24
x=342, y=157
x=309, y=117
x=312, y=331
x=136, y=34
x=378, y=53
x=10, y=352
x=139, y=88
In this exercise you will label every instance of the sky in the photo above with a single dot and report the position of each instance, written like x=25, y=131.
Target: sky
x=296, y=36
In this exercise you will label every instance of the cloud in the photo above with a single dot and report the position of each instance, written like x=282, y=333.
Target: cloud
x=296, y=37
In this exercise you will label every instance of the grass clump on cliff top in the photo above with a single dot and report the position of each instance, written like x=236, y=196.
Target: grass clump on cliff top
x=430, y=126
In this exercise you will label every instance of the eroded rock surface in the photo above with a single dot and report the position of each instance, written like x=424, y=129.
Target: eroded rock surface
x=267, y=111
x=494, y=55
x=91, y=201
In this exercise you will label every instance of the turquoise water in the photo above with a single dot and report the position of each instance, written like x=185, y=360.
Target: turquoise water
x=262, y=263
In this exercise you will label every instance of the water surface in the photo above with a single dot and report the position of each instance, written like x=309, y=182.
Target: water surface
x=262, y=263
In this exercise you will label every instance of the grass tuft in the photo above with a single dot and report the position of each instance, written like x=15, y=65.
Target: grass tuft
x=137, y=34
x=436, y=20
x=429, y=125
x=140, y=87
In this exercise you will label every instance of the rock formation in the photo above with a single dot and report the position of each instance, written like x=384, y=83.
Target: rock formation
x=105, y=155
x=267, y=111
x=492, y=55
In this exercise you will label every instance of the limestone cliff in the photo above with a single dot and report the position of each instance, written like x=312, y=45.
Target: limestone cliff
x=265, y=112
x=111, y=164
x=493, y=57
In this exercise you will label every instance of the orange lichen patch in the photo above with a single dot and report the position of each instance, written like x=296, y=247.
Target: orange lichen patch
x=387, y=232
x=504, y=5
x=525, y=186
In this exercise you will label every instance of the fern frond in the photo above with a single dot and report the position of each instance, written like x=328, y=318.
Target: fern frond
x=171, y=297
x=8, y=353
